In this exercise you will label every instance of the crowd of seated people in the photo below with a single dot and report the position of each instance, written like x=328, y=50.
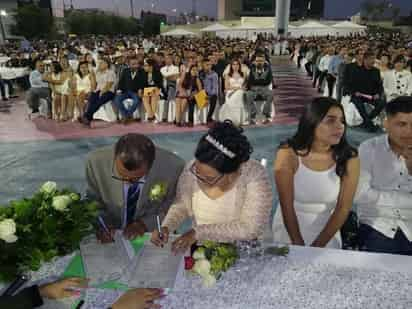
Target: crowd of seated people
x=163, y=80
x=143, y=79
x=371, y=70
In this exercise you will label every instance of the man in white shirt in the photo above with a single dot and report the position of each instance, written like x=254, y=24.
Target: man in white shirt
x=39, y=88
x=324, y=67
x=384, y=194
x=170, y=73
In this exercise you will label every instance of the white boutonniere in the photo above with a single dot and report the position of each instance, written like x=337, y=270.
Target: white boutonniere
x=158, y=192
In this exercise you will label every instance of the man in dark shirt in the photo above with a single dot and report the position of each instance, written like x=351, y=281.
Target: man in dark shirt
x=351, y=70
x=365, y=87
x=130, y=86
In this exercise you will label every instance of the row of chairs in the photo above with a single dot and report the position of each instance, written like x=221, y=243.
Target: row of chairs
x=106, y=112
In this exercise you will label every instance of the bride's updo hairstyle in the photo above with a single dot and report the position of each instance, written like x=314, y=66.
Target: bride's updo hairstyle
x=224, y=148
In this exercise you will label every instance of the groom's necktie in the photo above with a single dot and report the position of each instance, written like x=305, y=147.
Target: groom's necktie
x=133, y=194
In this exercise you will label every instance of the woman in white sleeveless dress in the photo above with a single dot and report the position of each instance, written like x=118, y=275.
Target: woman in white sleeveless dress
x=67, y=100
x=84, y=83
x=56, y=79
x=233, y=109
x=316, y=174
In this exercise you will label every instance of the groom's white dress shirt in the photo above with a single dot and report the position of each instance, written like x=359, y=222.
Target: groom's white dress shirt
x=384, y=196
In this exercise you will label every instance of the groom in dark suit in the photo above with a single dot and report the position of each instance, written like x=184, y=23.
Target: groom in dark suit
x=120, y=179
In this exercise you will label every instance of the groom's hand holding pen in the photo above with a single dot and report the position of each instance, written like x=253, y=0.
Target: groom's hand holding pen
x=106, y=233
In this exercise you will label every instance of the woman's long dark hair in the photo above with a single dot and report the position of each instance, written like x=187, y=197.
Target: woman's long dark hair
x=57, y=68
x=231, y=68
x=78, y=69
x=305, y=136
x=189, y=80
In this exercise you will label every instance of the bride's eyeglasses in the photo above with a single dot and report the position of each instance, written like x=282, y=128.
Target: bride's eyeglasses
x=211, y=181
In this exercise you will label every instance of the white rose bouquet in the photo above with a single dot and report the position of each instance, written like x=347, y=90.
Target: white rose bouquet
x=34, y=230
x=211, y=260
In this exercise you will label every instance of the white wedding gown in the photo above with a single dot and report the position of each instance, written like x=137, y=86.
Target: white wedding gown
x=316, y=195
x=234, y=109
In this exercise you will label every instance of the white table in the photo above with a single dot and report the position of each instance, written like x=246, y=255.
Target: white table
x=307, y=278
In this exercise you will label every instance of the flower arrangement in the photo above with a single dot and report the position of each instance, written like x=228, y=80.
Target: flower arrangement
x=211, y=260
x=34, y=230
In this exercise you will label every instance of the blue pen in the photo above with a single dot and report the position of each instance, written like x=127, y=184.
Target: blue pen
x=104, y=226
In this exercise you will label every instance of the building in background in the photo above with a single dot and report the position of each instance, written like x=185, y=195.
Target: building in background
x=315, y=8
x=234, y=9
x=7, y=8
x=258, y=8
x=229, y=9
x=56, y=7
x=147, y=14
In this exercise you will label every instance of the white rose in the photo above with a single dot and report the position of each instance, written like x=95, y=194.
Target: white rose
x=209, y=281
x=61, y=202
x=8, y=230
x=199, y=254
x=202, y=267
x=48, y=187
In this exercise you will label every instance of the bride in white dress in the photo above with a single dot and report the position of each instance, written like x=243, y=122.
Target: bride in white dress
x=316, y=174
x=233, y=109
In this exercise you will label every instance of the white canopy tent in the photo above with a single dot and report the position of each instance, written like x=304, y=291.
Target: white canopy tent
x=347, y=28
x=240, y=32
x=214, y=28
x=246, y=31
x=179, y=32
x=314, y=28
x=293, y=30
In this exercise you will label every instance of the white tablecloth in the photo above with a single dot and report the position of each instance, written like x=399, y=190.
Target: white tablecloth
x=307, y=278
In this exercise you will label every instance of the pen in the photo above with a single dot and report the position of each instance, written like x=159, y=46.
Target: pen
x=159, y=228
x=104, y=226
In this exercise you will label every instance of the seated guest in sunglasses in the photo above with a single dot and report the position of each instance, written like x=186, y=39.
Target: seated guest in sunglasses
x=226, y=194
x=121, y=177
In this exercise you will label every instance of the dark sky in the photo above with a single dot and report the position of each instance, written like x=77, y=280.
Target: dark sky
x=334, y=8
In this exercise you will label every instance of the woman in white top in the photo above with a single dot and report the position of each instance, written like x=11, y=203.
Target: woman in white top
x=84, y=84
x=316, y=174
x=56, y=79
x=397, y=82
x=67, y=90
x=235, y=81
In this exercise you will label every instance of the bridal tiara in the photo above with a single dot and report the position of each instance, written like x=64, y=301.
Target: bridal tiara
x=220, y=147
